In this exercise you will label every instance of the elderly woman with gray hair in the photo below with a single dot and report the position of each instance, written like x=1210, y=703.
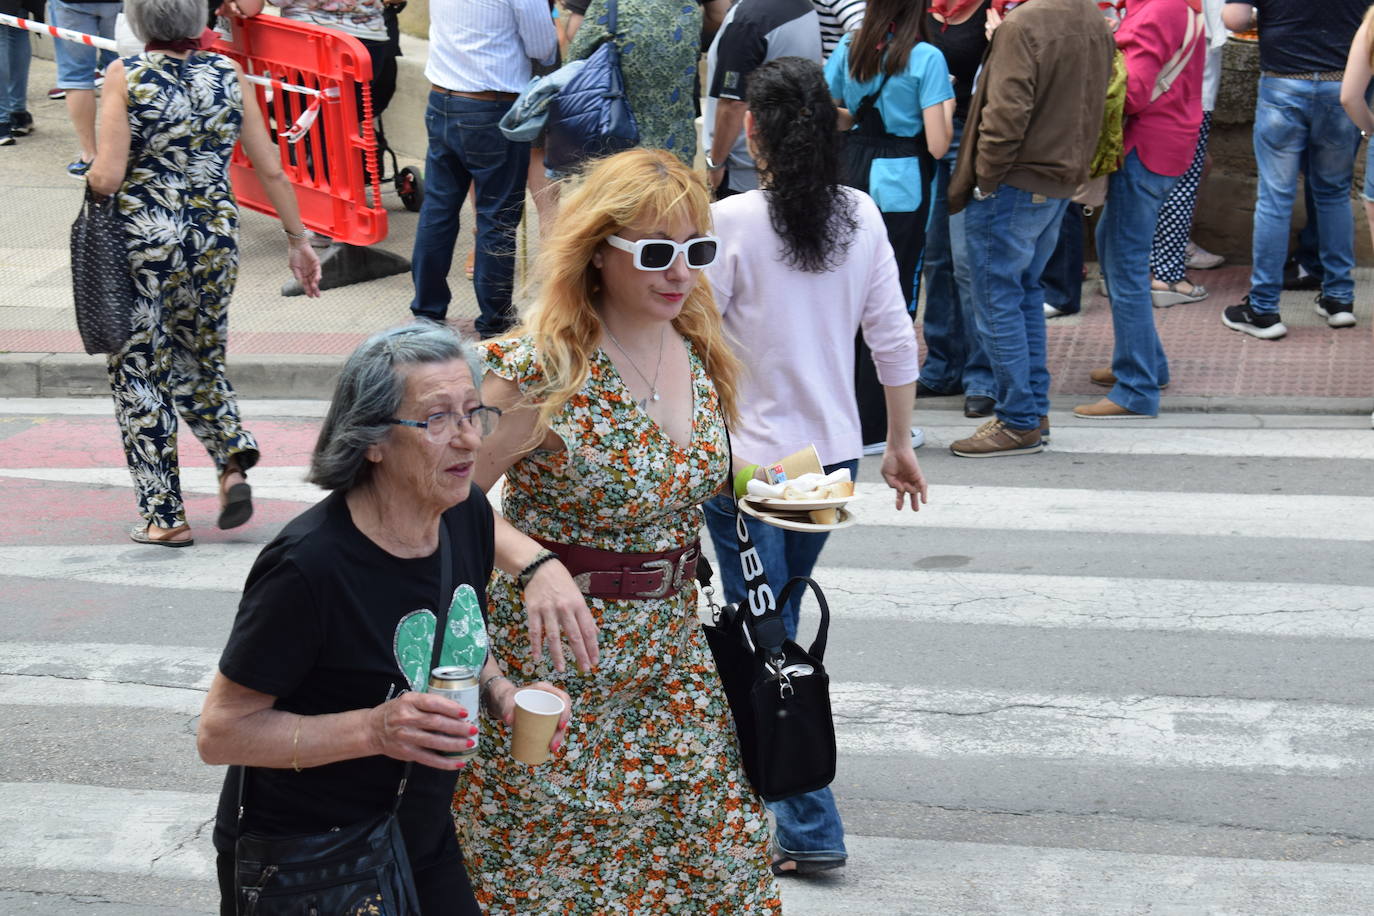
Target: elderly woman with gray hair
x=169, y=122
x=318, y=697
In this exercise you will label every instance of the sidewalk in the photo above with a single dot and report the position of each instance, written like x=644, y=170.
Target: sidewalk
x=291, y=347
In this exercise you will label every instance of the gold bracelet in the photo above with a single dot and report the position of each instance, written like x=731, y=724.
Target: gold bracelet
x=296, y=743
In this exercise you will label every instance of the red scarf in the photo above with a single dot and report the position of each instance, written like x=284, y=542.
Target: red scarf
x=953, y=9
x=202, y=42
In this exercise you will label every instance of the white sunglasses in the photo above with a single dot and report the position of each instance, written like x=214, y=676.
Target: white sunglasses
x=659, y=254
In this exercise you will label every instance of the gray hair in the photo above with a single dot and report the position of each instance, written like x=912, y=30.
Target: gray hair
x=165, y=20
x=370, y=391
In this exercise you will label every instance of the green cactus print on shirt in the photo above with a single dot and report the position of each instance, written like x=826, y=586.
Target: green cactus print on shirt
x=465, y=639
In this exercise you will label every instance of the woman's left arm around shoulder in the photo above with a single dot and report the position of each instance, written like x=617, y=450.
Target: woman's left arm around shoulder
x=262, y=152
x=112, y=157
x=554, y=605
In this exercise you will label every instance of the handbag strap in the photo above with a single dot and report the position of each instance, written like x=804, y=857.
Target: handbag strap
x=440, y=626
x=818, y=645
x=867, y=103
x=764, y=612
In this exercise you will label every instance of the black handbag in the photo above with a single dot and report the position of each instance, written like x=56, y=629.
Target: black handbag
x=102, y=280
x=358, y=868
x=590, y=116
x=779, y=693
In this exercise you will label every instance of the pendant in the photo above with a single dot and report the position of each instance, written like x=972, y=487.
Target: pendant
x=653, y=396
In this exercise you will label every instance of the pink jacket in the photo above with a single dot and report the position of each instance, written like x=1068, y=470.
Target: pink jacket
x=1164, y=131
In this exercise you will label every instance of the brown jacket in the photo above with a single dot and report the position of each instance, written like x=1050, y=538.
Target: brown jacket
x=1037, y=108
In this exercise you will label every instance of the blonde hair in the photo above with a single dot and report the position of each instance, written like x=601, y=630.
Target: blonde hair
x=636, y=187
x=1368, y=26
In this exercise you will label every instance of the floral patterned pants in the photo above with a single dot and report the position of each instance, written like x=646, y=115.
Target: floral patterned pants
x=174, y=364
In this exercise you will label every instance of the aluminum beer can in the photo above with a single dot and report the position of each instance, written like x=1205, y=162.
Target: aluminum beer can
x=460, y=684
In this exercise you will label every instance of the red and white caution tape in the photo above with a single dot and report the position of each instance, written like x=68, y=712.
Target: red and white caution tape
x=297, y=131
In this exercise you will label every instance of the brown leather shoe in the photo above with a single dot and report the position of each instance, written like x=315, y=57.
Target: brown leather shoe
x=994, y=439
x=1107, y=409
x=1107, y=379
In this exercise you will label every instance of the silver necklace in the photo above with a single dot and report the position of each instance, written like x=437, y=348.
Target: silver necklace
x=653, y=386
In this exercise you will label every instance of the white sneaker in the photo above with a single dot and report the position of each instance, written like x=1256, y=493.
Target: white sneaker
x=1199, y=258
x=918, y=439
x=1052, y=312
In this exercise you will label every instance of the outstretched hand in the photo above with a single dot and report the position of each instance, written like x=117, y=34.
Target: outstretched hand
x=903, y=474
x=305, y=267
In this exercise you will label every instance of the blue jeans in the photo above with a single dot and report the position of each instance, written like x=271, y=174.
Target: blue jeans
x=1009, y=238
x=466, y=147
x=77, y=63
x=808, y=826
x=1125, y=235
x=1294, y=118
x=1063, y=278
x=955, y=356
x=15, y=53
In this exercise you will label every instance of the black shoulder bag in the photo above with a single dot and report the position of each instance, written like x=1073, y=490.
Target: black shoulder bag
x=779, y=693
x=345, y=869
x=590, y=116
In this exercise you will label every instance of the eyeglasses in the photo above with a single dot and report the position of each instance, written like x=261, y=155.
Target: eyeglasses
x=659, y=254
x=440, y=426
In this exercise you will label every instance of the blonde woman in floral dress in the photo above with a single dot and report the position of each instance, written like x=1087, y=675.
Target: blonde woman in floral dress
x=615, y=395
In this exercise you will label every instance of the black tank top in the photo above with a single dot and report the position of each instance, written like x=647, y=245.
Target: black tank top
x=963, y=47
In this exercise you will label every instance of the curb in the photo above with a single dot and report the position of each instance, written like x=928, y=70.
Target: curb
x=68, y=375
x=311, y=376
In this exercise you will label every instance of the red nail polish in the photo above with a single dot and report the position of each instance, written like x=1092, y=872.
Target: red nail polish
x=471, y=743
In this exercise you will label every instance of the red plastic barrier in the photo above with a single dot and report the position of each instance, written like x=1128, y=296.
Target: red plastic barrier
x=333, y=165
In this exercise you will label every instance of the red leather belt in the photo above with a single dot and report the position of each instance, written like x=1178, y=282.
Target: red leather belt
x=607, y=574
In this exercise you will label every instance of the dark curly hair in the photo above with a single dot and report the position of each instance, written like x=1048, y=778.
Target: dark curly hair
x=798, y=148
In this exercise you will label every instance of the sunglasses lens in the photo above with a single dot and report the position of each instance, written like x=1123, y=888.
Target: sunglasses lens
x=701, y=254
x=656, y=255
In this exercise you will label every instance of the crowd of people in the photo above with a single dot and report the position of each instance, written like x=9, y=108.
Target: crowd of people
x=687, y=327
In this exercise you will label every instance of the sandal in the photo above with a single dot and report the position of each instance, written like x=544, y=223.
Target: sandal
x=802, y=864
x=235, y=501
x=139, y=535
x=1164, y=294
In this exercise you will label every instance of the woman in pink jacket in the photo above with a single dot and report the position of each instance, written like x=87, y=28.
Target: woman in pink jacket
x=1162, y=41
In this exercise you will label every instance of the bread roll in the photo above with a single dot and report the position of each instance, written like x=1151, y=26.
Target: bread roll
x=824, y=516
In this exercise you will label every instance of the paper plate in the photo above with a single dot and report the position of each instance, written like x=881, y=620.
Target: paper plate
x=776, y=504
x=797, y=523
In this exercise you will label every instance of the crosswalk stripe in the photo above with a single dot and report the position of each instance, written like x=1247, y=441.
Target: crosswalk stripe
x=1147, y=731
x=871, y=718
x=25, y=690
x=1096, y=439
x=115, y=663
x=917, y=596
x=1100, y=602
x=897, y=877
x=1125, y=512
x=284, y=483
x=68, y=827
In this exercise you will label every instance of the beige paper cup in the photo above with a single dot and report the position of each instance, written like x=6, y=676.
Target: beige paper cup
x=806, y=461
x=536, y=719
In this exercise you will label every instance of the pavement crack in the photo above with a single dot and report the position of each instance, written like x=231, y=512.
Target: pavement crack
x=195, y=836
x=105, y=680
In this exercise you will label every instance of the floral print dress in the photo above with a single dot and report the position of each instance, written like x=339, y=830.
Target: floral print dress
x=182, y=234
x=645, y=810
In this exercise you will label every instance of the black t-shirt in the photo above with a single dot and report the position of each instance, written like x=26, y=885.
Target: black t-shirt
x=317, y=628
x=963, y=46
x=1303, y=36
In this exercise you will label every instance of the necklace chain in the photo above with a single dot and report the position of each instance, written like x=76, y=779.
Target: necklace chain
x=653, y=386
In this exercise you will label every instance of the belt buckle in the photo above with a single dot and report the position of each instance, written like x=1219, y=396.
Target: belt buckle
x=665, y=587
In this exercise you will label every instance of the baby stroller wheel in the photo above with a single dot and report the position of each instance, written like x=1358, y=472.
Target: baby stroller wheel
x=411, y=188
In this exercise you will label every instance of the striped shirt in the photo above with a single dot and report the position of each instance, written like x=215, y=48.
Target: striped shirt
x=837, y=18
x=487, y=45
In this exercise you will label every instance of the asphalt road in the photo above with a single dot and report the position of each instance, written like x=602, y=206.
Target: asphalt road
x=1131, y=675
